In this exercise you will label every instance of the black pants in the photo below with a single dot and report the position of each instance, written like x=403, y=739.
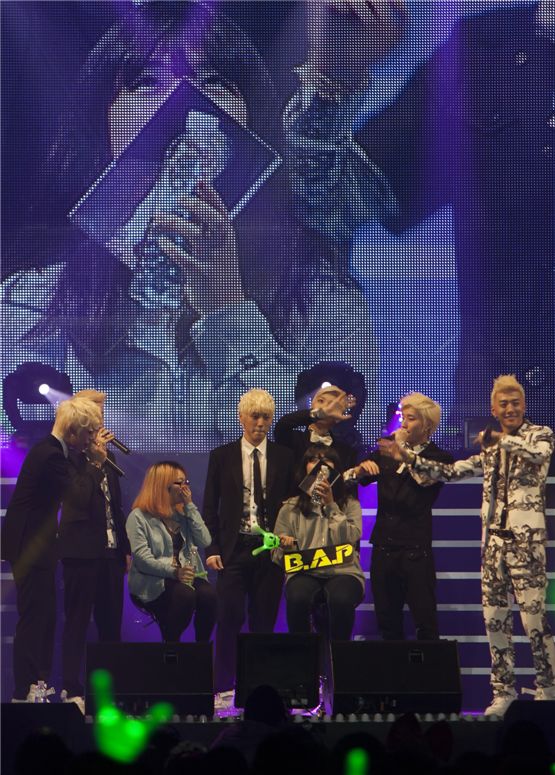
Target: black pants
x=33, y=643
x=90, y=587
x=342, y=594
x=404, y=575
x=246, y=580
x=174, y=609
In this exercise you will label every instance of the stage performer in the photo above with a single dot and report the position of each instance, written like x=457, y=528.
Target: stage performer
x=335, y=521
x=29, y=541
x=514, y=462
x=167, y=577
x=246, y=483
x=402, y=566
x=95, y=553
x=330, y=406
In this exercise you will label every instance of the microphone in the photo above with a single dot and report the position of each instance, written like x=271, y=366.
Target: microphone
x=486, y=436
x=120, y=445
x=115, y=467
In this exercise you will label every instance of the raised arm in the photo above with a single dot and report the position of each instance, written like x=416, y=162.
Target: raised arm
x=344, y=525
x=197, y=526
x=536, y=445
x=432, y=469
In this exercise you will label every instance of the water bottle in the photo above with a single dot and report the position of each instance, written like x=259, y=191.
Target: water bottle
x=200, y=153
x=322, y=476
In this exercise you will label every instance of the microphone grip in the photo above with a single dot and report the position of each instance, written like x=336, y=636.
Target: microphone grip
x=120, y=445
x=486, y=436
x=115, y=467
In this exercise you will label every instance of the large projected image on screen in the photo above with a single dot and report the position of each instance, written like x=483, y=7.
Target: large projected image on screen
x=201, y=206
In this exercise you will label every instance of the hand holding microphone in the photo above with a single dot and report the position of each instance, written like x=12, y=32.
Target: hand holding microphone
x=98, y=454
x=488, y=437
x=119, y=445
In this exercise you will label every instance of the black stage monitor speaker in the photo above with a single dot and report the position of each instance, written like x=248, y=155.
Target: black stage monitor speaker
x=289, y=663
x=542, y=714
x=145, y=673
x=63, y=720
x=396, y=677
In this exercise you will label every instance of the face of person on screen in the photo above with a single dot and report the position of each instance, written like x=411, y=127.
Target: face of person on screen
x=138, y=99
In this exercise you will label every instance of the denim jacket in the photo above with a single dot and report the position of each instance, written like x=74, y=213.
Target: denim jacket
x=152, y=549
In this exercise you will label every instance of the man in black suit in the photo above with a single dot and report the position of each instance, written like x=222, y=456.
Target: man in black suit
x=246, y=483
x=402, y=567
x=94, y=550
x=29, y=540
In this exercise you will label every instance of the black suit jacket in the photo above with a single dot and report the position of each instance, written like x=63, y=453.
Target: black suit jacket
x=223, y=493
x=82, y=532
x=404, y=515
x=286, y=433
x=30, y=525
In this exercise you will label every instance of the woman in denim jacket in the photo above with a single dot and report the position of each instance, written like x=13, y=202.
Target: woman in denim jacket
x=167, y=578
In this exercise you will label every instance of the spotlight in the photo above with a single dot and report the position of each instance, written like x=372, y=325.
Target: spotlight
x=29, y=394
x=325, y=385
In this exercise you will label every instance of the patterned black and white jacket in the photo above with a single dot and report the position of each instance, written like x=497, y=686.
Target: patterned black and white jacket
x=527, y=453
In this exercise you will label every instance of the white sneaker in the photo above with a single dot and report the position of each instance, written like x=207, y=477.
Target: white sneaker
x=545, y=693
x=40, y=692
x=224, y=700
x=500, y=705
x=79, y=701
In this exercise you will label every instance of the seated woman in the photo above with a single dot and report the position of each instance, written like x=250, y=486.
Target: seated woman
x=303, y=524
x=167, y=577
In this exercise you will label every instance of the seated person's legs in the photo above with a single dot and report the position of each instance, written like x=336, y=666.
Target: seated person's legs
x=205, y=610
x=300, y=593
x=343, y=594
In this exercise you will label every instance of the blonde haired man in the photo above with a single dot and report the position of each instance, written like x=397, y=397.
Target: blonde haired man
x=29, y=540
x=246, y=483
x=514, y=462
x=402, y=567
x=94, y=550
x=330, y=406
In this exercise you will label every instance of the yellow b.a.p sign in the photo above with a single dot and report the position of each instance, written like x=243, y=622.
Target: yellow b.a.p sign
x=322, y=557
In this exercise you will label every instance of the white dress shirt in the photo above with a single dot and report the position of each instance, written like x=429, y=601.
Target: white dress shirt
x=250, y=519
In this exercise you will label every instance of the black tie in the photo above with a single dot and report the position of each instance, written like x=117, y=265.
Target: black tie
x=257, y=487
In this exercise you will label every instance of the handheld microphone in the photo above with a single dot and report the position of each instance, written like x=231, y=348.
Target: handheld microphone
x=115, y=467
x=120, y=445
x=486, y=436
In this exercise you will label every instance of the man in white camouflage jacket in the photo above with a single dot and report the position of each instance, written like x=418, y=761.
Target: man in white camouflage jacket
x=514, y=463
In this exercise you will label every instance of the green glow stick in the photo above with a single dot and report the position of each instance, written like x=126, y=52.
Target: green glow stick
x=356, y=762
x=269, y=540
x=117, y=736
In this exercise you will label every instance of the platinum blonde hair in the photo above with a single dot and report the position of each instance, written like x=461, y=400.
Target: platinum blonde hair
x=75, y=414
x=256, y=400
x=506, y=383
x=96, y=396
x=428, y=410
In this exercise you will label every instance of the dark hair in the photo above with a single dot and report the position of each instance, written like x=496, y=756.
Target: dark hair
x=321, y=452
x=281, y=261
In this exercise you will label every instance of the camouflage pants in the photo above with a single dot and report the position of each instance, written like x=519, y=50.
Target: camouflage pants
x=517, y=565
